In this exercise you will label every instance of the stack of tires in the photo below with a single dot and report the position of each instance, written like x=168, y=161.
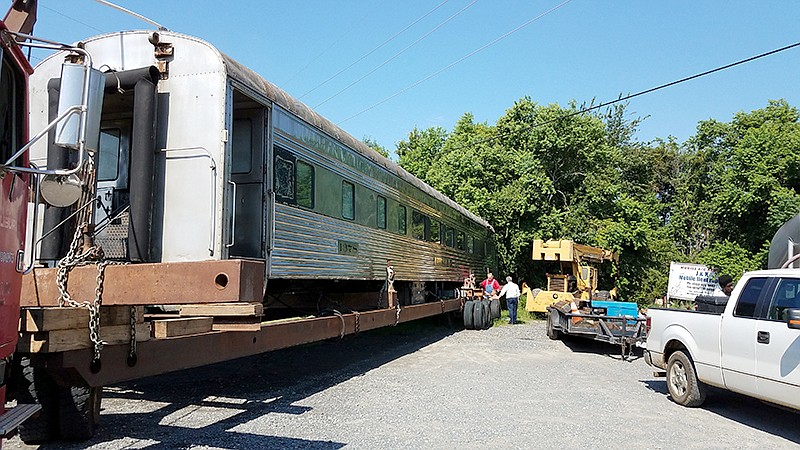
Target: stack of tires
x=480, y=314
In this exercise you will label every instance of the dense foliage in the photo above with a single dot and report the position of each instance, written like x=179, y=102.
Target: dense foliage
x=549, y=172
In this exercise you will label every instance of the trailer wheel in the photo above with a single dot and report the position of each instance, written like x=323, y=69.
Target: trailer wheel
x=478, y=315
x=78, y=411
x=469, y=306
x=37, y=386
x=494, y=306
x=552, y=333
x=684, y=387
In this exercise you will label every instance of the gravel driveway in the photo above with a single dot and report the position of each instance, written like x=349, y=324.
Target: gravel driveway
x=426, y=386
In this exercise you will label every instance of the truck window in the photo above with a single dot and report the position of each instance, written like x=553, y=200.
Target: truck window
x=787, y=295
x=746, y=306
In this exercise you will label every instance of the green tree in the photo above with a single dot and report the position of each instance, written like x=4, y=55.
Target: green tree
x=375, y=146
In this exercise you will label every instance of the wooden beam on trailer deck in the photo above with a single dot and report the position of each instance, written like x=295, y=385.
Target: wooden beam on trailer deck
x=65, y=340
x=231, y=280
x=166, y=328
x=159, y=356
x=67, y=317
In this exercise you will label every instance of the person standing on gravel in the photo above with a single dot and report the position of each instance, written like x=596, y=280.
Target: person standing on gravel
x=511, y=291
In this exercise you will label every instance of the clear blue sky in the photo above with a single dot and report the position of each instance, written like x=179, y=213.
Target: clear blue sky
x=584, y=50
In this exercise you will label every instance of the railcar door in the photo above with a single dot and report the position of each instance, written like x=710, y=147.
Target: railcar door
x=113, y=198
x=246, y=234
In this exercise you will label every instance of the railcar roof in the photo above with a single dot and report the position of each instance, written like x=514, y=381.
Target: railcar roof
x=256, y=82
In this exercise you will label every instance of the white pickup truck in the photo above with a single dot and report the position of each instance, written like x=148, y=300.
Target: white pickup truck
x=753, y=347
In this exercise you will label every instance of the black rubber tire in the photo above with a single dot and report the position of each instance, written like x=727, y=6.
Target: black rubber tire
x=684, y=387
x=479, y=315
x=488, y=321
x=78, y=412
x=37, y=386
x=552, y=333
x=494, y=307
x=469, y=307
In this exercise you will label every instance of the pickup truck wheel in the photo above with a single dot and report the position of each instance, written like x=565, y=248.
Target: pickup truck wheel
x=469, y=305
x=552, y=333
x=684, y=387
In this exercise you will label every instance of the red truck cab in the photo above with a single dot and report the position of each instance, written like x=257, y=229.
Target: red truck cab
x=14, y=188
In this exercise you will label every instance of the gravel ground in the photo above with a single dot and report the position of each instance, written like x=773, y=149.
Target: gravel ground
x=426, y=386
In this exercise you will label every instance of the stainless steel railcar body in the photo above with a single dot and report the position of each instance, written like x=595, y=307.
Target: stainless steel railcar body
x=243, y=170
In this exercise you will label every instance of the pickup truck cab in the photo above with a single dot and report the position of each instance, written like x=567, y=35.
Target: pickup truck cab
x=752, y=348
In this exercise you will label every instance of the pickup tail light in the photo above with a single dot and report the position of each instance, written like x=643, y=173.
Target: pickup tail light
x=647, y=325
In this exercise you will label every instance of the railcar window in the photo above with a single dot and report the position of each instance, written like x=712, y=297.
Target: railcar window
x=787, y=296
x=108, y=159
x=418, y=225
x=381, y=212
x=348, y=200
x=460, y=241
x=480, y=248
x=448, y=237
x=401, y=220
x=435, y=232
x=241, y=159
x=746, y=307
x=305, y=184
x=470, y=244
x=284, y=178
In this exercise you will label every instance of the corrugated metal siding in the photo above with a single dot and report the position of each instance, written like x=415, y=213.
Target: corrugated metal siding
x=306, y=246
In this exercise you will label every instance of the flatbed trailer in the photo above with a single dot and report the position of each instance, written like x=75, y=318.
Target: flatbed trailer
x=624, y=331
x=80, y=369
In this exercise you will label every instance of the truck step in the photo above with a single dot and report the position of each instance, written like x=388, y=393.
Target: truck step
x=12, y=418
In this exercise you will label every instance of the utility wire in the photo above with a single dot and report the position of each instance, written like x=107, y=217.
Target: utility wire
x=630, y=96
x=397, y=54
x=72, y=18
x=473, y=53
x=374, y=49
x=353, y=26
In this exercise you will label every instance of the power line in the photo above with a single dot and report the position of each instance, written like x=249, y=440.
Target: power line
x=397, y=54
x=374, y=49
x=474, y=52
x=630, y=96
x=72, y=19
x=353, y=26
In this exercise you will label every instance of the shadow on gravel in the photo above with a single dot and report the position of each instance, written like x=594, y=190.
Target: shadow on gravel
x=743, y=409
x=249, y=388
x=585, y=345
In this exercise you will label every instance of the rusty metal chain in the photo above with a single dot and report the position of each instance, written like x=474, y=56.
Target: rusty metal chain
x=397, y=315
x=358, y=322
x=442, y=302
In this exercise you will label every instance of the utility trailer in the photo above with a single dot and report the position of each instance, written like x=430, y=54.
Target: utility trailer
x=604, y=321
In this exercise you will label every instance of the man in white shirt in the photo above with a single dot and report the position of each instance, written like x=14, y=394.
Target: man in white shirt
x=725, y=286
x=511, y=291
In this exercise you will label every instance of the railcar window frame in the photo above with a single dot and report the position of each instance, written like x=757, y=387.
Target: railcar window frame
x=284, y=174
x=12, y=128
x=402, y=220
x=348, y=200
x=380, y=213
x=460, y=240
x=306, y=183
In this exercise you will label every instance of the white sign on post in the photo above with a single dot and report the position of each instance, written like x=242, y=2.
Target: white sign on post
x=687, y=281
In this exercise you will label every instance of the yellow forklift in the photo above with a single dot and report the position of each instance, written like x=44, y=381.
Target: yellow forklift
x=578, y=277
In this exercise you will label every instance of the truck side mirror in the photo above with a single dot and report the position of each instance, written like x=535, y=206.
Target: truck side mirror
x=793, y=318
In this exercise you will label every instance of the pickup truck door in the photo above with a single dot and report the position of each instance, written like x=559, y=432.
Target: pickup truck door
x=778, y=347
x=738, y=337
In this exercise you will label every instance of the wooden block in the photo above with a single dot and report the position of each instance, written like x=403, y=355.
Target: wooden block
x=181, y=327
x=75, y=339
x=223, y=309
x=237, y=324
x=65, y=318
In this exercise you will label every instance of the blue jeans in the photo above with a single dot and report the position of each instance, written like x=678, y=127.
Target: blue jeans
x=512, y=308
